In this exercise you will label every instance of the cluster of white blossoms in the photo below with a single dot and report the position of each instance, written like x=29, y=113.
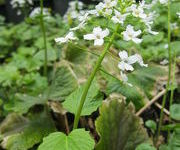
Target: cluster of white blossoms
x=73, y=11
x=20, y=4
x=126, y=64
x=37, y=11
x=116, y=12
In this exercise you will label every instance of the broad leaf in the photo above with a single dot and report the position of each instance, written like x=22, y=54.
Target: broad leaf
x=92, y=102
x=20, y=133
x=175, y=111
x=118, y=127
x=24, y=102
x=63, y=84
x=78, y=139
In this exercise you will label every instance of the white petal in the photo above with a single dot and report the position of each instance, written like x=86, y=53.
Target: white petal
x=121, y=65
x=136, y=40
x=60, y=40
x=123, y=55
x=98, y=42
x=133, y=59
x=89, y=37
x=105, y=33
x=128, y=67
x=97, y=30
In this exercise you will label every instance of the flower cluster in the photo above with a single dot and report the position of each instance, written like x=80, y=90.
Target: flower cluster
x=116, y=12
x=20, y=4
x=36, y=12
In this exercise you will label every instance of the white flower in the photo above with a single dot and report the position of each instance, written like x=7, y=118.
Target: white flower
x=164, y=62
x=119, y=18
x=125, y=78
x=166, y=46
x=130, y=34
x=149, y=30
x=126, y=62
x=80, y=26
x=174, y=26
x=138, y=12
x=20, y=3
x=110, y=3
x=36, y=11
x=163, y=1
x=97, y=35
x=178, y=14
x=70, y=36
x=106, y=7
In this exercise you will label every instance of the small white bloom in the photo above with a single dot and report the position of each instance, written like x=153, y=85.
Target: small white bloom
x=119, y=18
x=97, y=35
x=138, y=12
x=126, y=62
x=110, y=3
x=174, y=26
x=149, y=30
x=70, y=36
x=125, y=78
x=80, y=26
x=163, y=1
x=178, y=14
x=166, y=46
x=130, y=34
x=164, y=62
x=37, y=11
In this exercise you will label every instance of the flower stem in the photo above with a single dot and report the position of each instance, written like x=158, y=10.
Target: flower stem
x=173, y=81
x=44, y=38
x=91, y=77
x=169, y=69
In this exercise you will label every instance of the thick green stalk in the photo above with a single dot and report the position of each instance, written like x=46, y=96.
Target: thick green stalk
x=44, y=38
x=169, y=69
x=91, y=77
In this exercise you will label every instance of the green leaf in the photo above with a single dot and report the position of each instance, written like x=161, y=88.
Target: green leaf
x=92, y=102
x=24, y=102
x=78, y=139
x=51, y=54
x=175, y=111
x=64, y=83
x=118, y=127
x=151, y=124
x=145, y=146
x=20, y=133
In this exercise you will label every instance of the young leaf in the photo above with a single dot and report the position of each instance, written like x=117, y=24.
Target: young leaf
x=78, y=139
x=20, y=133
x=118, y=127
x=175, y=111
x=151, y=124
x=92, y=102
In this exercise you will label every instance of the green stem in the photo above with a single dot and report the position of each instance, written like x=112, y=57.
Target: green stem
x=91, y=77
x=44, y=38
x=173, y=82
x=169, y=69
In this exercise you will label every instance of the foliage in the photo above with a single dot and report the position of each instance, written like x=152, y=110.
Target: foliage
x=127, y=131
x=78, y=139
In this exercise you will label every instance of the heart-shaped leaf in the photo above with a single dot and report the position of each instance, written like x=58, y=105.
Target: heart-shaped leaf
x=78, y=139
x=92, y=102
